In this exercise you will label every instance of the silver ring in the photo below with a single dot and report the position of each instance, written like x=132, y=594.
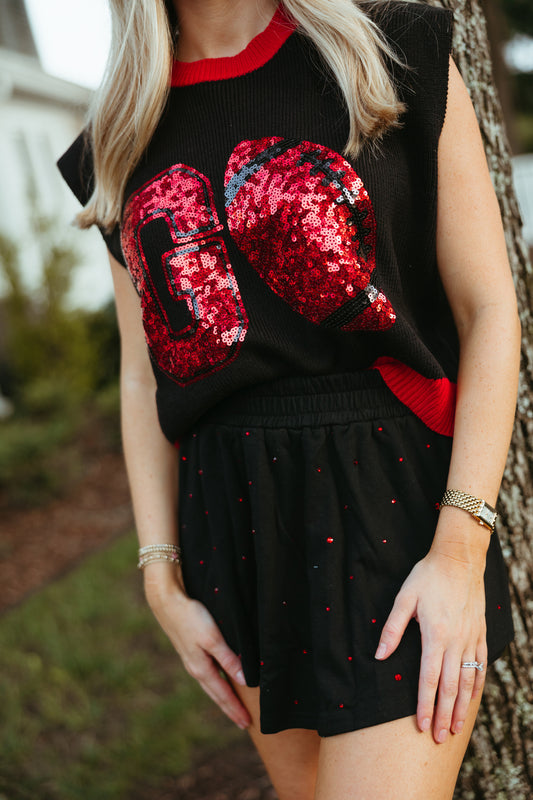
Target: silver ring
x=473, y=665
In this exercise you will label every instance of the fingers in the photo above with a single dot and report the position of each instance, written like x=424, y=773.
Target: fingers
x=228, y=660
x=450, y=693
x=456, y=687
x=467, y=678
x=204, y=652
x=430, y=675
x=471, y=683
x=482, y=656
x=219, y=690
x=402, y=612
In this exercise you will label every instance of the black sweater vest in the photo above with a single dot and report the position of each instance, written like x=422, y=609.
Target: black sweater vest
x=259, y=251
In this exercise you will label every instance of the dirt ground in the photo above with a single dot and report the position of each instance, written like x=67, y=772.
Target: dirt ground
x=39, y=545
x=236, y=773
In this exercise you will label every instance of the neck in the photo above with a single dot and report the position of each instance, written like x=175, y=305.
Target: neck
x=219, y=28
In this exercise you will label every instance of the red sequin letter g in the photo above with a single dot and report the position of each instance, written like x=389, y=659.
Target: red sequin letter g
x=193, y=316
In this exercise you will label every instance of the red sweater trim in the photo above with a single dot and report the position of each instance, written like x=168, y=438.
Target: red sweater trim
x=432, y=400
x=256, y=54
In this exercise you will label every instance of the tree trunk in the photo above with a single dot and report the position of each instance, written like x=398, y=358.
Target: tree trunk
x=498, y=34
x=499, y=762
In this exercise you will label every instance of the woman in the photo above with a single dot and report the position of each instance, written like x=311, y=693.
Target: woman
x=333, y=338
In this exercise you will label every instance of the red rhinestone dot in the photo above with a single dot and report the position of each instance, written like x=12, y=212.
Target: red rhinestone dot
x=216, y=589
x=206, y=511
x=373, y=620
x=249, y=483
x=318, y=469
x=261, y=663
x=243, y=558
x=437, y=506
x=190, y=495
x=253, y=530
x=247, y=433
x=380, y=429
x=341, y=705
x=397, y=677
x=384, y=541
x=355, y=463
x=328, y=608
x=499, y=608
x=329, y=539
x=201, y=561
x=296, y=702
x=350, y=658
x=351, y=577
x=400, y=459
x=240, y=499
x=428, y=445
x=200, y=472
x=184, y=458
x=304, y=652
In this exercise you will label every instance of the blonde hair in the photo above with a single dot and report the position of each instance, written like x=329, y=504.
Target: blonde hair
x=127, y=107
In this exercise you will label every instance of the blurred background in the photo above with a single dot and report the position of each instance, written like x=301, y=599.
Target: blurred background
x=86, y=677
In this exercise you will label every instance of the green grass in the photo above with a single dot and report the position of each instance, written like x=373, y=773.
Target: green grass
x=94, y=702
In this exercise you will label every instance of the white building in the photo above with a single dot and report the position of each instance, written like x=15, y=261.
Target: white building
x=523, y=182
x=40, y=115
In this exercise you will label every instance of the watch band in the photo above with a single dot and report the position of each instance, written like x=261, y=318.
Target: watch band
x=479, y=508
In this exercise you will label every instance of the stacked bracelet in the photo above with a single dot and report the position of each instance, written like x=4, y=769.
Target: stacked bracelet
x=158, y=552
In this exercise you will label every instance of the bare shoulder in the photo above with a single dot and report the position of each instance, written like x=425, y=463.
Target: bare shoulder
x=460, y=117
x=462, y=163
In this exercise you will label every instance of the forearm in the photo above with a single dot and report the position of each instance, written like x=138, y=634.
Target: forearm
x=486, y=399
x=152, y=467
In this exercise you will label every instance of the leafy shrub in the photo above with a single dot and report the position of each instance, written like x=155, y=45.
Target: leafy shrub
x=107, y=410
x=61, y=366
x=34, y=461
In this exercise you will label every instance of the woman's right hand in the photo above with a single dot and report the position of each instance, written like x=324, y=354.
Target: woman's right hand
x=196, y=637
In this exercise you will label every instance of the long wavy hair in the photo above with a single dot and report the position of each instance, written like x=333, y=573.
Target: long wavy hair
x=127, y=107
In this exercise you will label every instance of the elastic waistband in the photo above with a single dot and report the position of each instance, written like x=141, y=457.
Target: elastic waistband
x=310, y=400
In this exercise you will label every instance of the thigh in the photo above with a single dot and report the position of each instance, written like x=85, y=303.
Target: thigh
x=391, y=760
x=290, y=757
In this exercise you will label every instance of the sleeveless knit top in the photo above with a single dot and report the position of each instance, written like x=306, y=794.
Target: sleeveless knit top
x=259, y=251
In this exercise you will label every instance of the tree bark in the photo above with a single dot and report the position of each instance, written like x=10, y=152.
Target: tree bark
x=499, y=762
x=498, y=33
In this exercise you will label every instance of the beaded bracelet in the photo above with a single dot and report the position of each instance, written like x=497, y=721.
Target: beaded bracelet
x=159, y=552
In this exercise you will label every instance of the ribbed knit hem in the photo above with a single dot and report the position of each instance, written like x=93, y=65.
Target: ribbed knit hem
x=256, y=54
x=431, y=399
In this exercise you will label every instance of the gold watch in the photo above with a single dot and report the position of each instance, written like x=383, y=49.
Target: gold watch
x=479, y=509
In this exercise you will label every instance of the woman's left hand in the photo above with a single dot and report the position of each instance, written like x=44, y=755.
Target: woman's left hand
x=447, y=598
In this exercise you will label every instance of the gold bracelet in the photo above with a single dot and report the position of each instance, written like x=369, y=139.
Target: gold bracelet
x=158, y=552
x=475, y=506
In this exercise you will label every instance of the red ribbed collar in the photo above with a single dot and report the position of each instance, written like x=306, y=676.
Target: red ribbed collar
x=256, y=54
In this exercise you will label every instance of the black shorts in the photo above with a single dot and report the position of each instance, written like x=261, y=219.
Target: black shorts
x=304, y=504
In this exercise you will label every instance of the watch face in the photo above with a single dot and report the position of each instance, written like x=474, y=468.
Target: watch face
x=487, y=515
